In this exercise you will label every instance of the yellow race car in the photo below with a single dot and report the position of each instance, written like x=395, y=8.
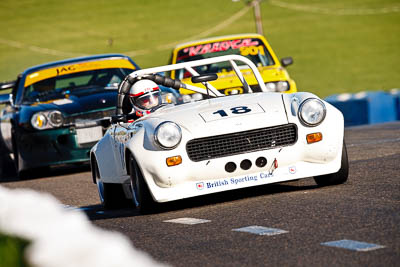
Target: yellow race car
x=253, y=46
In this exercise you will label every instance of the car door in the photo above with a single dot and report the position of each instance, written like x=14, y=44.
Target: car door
x=120, y=138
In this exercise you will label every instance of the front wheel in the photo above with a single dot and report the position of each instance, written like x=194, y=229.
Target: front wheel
x=338, y=177
x=112, y=196
x=3, y=161
x=141, y=195
x=21, y=174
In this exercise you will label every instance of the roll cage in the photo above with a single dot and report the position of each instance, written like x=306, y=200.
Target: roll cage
x=151, y=73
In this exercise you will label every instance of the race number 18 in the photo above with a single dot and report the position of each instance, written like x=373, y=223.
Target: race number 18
x=231, y=112
x=235, y=110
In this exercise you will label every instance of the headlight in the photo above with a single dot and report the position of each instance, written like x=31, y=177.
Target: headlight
x=197, y=96
x=192, y=97
x=168, y=98
x=55, y=118
x=186, y=98
x=39, y=121
x=47, y=119
x=168, y=135
x=312, y=112
x=277, y=86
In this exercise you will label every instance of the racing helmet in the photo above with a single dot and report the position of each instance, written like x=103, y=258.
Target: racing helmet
x=144, y=96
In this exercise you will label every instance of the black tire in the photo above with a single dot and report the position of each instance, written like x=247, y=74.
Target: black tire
x=26, y=174
x=339, y=177
x=29, y=173
x=141, y=196
x=7, y=168
x=21, y=174
x=112, y=196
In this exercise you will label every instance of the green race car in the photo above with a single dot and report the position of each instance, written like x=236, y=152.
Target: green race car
x=57, y=111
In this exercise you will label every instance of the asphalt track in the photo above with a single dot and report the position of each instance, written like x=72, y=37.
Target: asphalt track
x=289, y=224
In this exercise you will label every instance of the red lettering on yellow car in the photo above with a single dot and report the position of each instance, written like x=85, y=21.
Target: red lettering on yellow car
x=235, y=44
x=206, y=49
x=219, y=46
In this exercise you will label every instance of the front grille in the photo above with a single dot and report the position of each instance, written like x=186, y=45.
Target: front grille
x=255, y=88
x=241, y=142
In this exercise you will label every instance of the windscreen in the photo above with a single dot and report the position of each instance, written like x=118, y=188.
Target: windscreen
x=80, y=78
x=252, y=48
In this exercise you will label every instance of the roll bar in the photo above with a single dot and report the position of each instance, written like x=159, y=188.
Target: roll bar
x=151, y=73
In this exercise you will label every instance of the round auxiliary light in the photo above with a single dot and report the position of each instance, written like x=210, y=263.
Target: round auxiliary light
x=271, y=86
x=230, y=167
x=261, y=162
x=186, y=98
x=245, y=164
x=197, y=97
x=282, y=86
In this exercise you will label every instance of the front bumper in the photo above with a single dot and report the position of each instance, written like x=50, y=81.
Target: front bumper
x=51, y=147
x=189, y=179
x=193, y=179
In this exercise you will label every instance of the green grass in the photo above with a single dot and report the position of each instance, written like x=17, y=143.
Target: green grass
x=335, y=48
x=12, y=251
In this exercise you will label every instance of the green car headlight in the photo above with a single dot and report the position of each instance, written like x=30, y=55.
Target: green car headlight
x=47, y=119
x=168, y=135
x=56, y=119
x=39, y=121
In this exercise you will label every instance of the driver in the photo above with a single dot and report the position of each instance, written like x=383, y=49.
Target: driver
x=144, y=96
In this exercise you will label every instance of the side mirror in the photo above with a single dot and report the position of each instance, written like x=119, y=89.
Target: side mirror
x=5, y=99
x=287, y=61
x=7, y=85
x=204, y=78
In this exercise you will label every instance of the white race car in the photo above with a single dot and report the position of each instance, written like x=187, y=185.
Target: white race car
x=217, y=143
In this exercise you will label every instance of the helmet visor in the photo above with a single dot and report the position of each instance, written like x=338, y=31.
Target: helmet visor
x=147, y=101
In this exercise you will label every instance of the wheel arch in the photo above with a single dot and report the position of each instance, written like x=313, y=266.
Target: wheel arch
x=93, y=165
x=14, y=144
x=128, y=153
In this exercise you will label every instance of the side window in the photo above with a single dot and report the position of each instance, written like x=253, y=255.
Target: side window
x=115, y=79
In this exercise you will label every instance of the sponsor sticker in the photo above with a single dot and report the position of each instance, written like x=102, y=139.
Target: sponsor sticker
x=64, y=101
x=292, y=170
x=237, y=181
x=200, y=186
x=219, y=46
x=77, y=67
